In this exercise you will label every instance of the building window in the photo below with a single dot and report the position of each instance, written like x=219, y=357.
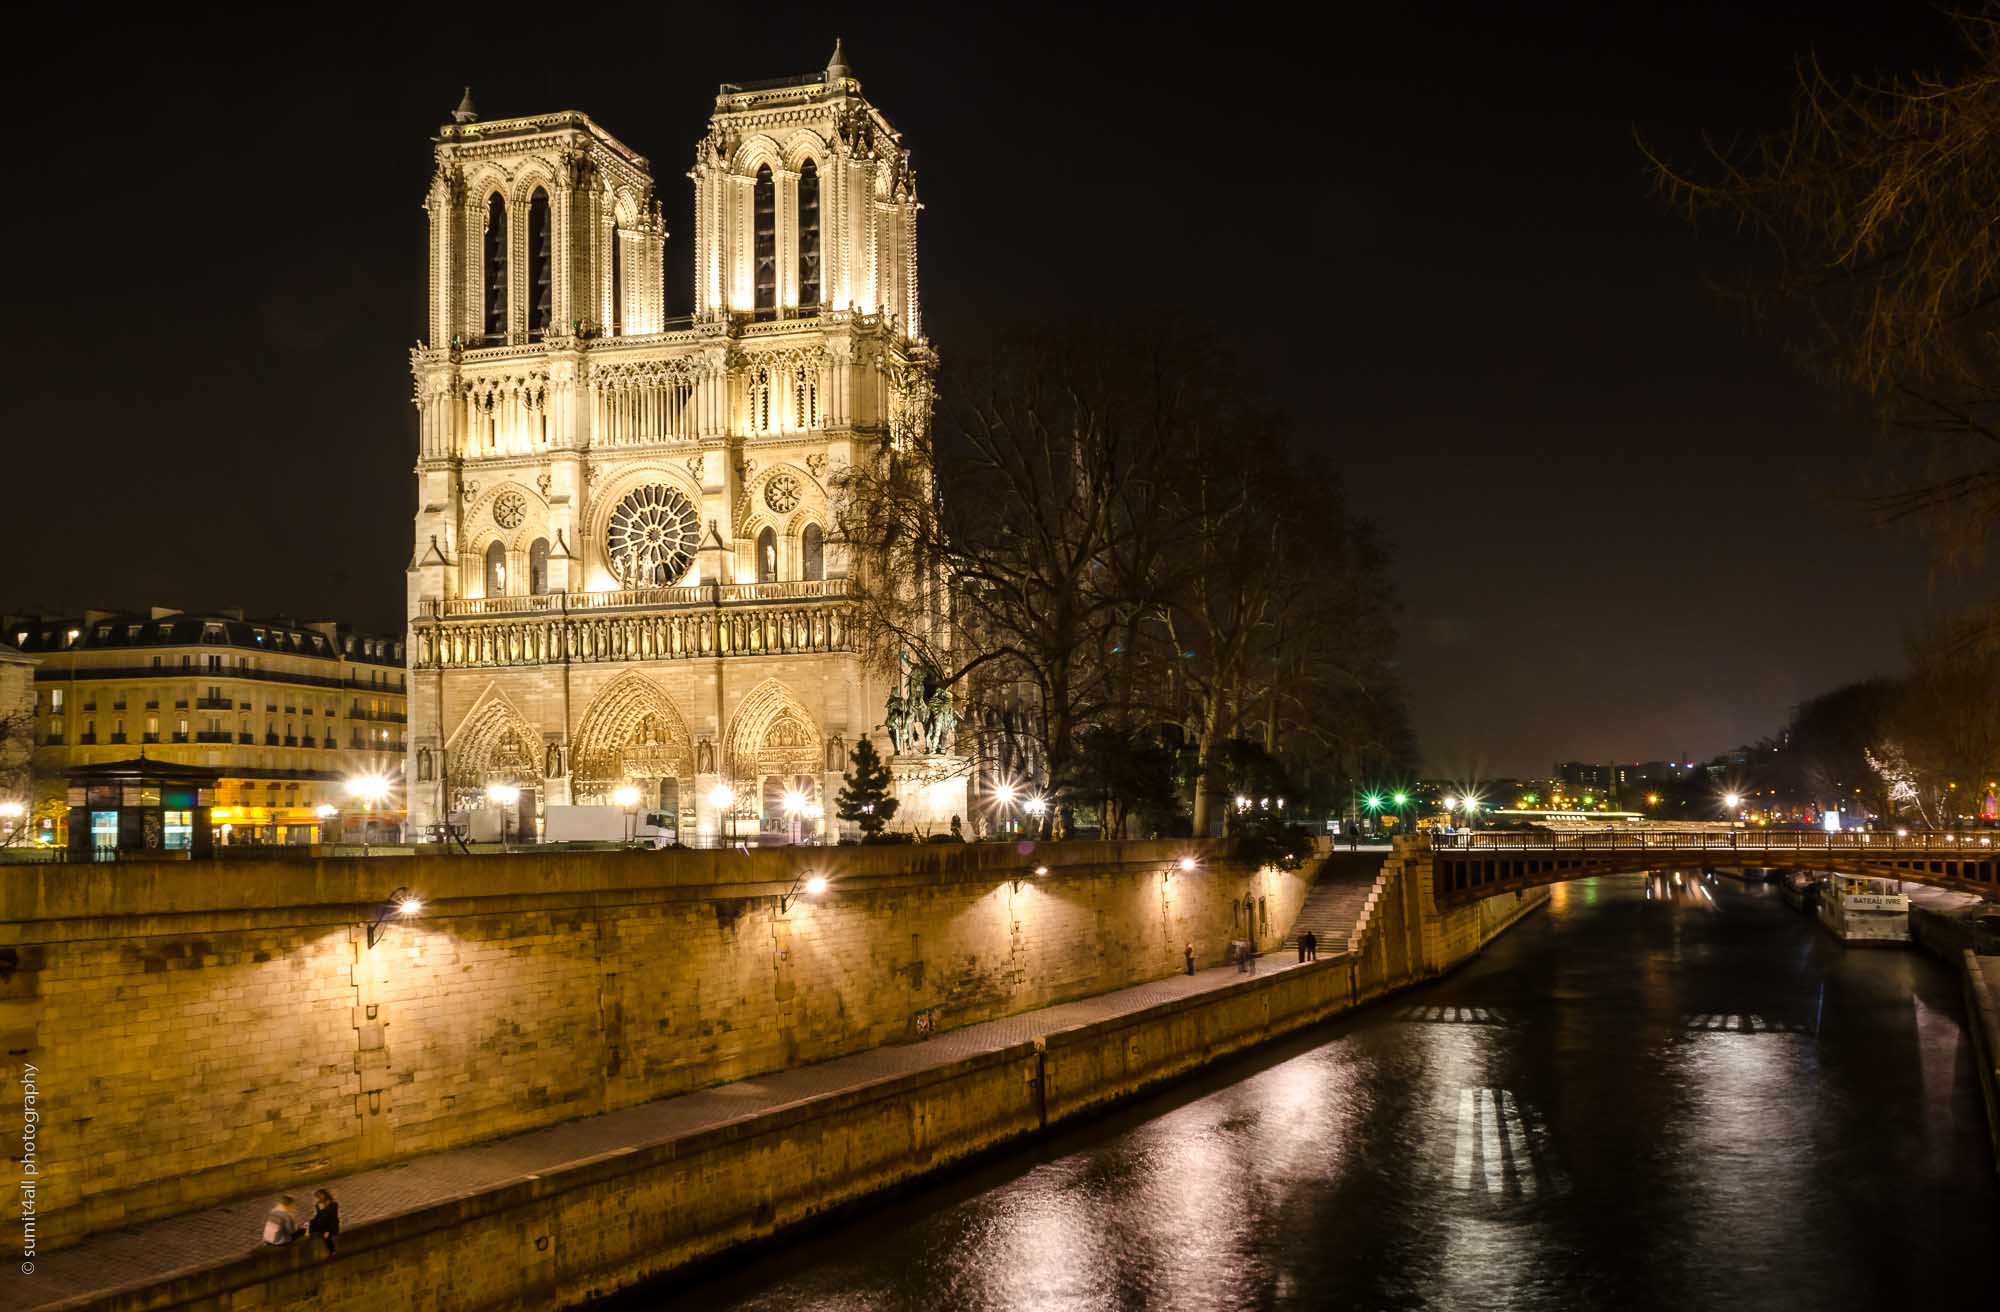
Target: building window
x=538, y=567
x=496, y=269
x=766, y=251
x=760, y=399
x=496, y=570
x=541, y=264
x=617, y=282
x=812, y=553
x=808, y=234
x=56, y=700
x=767, y=556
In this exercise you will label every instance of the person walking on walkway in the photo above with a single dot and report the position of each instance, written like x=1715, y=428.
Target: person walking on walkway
x=1190, y=958
x=1302, y=948
x=325, y=1221
x=282, y=1225
x=1311, y=945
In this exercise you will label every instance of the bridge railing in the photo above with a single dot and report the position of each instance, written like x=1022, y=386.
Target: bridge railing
x=1696, y=840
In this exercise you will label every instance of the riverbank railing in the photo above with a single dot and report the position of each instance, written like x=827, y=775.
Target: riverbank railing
x=1713, y=840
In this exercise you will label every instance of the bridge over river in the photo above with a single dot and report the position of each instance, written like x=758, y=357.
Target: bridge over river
x=1474, y=864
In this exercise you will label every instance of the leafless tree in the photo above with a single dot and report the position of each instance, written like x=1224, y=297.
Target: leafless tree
x=1879, y=199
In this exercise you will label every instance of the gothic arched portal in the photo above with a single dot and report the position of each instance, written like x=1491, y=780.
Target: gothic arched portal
x=632, y=734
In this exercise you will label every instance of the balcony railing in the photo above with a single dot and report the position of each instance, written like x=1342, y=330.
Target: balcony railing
x=701, y=594
x=149, y=737
x=117, y=737
x=211, y=736
x=214, y=703
x=246, y=737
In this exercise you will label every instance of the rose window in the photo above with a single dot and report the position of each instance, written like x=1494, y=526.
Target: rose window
x=509, y=509
x=652, y=537
x=781, y=494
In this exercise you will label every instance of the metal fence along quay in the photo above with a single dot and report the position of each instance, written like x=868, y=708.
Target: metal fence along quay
x=1700, y=840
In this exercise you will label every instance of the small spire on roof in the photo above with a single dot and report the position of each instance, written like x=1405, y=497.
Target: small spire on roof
x=836, y=67
x=466, y=112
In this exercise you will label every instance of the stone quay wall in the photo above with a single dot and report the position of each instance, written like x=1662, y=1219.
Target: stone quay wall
x=563, y=1237
x=209, y=1030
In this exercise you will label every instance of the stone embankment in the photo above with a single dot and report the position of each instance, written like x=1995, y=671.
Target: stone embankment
x=556, y=1215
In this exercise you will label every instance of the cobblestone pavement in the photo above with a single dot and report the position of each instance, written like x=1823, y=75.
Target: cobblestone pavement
x=157, y=1250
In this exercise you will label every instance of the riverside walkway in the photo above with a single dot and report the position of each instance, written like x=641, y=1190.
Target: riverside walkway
x=134, y=1257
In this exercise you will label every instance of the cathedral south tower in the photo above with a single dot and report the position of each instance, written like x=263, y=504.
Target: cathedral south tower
x=625, y=575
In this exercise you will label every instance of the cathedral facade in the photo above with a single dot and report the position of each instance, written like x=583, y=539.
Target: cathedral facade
x=626, y=575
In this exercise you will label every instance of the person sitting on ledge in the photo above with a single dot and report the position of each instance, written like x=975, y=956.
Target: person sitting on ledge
x=282, y=1225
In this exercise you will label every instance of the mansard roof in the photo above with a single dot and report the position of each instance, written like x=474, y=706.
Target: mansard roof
x=163, y=627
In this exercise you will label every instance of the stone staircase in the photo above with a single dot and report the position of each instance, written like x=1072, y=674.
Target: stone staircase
x=1335, y=908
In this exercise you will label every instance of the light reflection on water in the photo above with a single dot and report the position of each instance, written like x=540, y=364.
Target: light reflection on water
x=1688, y=1101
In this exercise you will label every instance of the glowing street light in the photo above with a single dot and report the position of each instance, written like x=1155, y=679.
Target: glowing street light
x=371, y=790
x=402, y=903
x=626, y=797
x=723, y=798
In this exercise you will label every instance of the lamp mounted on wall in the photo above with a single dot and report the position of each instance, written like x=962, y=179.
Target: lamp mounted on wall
x=1041, y=872
x=810, y=885
x=402, y=905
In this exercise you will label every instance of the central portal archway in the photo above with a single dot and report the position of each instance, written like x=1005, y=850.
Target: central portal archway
x=634, y=734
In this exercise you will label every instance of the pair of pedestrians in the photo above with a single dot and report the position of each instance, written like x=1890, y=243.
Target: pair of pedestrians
x=284, y=1224
x=1309, y=946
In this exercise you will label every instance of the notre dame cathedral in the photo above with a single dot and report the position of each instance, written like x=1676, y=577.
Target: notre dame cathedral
x=625, y=573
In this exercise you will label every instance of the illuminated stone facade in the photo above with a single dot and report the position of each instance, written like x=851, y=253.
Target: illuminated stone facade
x=624, y=571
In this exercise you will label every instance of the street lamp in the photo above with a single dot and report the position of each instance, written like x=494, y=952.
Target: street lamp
x=1003, y=802
x=795, y=805
x=626, y=796
x=402, y=903
x=325, y=811
x=723, y=798
x=504, y=796
x=370, y=790
x=12, y=812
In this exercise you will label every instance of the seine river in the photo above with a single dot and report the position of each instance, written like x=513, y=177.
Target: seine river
x=1691, y=1099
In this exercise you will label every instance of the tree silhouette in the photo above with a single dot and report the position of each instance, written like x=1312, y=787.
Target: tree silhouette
x=864, y=795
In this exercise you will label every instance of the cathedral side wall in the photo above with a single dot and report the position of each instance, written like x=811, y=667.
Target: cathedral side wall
x=207, y=1031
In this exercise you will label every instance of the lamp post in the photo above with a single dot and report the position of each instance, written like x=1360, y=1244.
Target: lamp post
x=1036, y=807
x=326, y=811
x=626, y=796
x=723, y=798
x=12, y=813
x=368, y=789
x=505, y=796
x=795, y=807
x=1003, y=802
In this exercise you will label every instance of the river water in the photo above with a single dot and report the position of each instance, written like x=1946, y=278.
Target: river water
x=1656, y=1093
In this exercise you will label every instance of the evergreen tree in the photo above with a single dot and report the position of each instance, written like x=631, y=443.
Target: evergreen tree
x=864, y=795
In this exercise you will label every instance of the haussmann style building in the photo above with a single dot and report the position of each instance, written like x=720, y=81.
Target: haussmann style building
x=286, y=713
x=625, y=572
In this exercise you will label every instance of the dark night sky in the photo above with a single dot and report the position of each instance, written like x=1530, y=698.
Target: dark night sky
x=1621, y=527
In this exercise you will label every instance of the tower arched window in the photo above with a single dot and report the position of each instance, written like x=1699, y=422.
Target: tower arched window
x=617, y=282
x=541, y=264
x=812, y=553
x=767, y=556
x=808, y=235
x=496, y=266
x=765, y=253
x=496, y=570
x=538, y=567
